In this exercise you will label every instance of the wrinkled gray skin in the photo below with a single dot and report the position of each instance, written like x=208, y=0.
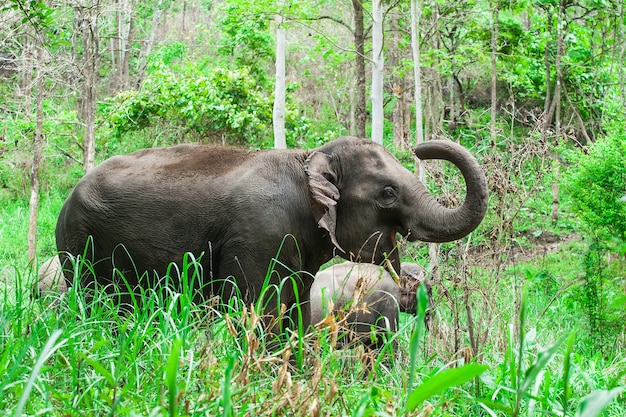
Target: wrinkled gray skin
x=236, y=210
x=50, y=278
x=368, y=296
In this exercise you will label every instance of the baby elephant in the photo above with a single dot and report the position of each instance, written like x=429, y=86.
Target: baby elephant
x=50, y=278
x=368, y=296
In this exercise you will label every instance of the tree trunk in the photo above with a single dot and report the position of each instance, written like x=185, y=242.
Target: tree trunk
x=33, y=204
x=377, y=72
x=359, y=44
x=546, y=59
x=87, y=20
x=417, y=76
x=145, y=52
x=124, y=22
x=402, y=107
x=454, y=104
x=280, y=142
x=125, y=67
x=433, y=102
x=560, y=50
x=494, y=74
x=622, y=53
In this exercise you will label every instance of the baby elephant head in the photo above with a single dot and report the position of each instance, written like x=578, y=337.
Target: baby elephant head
x=412, y=275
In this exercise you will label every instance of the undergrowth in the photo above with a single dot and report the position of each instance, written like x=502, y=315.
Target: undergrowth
x=171, y=356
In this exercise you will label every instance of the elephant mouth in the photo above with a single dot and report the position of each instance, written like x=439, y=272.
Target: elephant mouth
x=408, y=235
x=393, y=238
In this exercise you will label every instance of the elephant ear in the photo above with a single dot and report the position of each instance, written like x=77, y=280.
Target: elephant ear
x=324, y=193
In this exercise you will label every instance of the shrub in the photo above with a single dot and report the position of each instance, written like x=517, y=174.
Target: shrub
x=596, y=185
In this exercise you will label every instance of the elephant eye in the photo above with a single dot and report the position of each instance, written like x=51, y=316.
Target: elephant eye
x=389, y=195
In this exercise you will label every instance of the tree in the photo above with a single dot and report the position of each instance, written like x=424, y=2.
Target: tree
x=494, y=69
x=37, y=151
x=360, y=109
x=417, y=74
x=280, y=142
x=399, y=85
x=121, y=43
x=377, y=72
x=86, y=15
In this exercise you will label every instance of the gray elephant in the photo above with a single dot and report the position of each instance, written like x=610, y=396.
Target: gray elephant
x=50, y=278
x=367, y=297
x=253, y=218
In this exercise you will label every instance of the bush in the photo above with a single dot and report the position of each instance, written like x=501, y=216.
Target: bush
x=596, y=185
x=223, y=106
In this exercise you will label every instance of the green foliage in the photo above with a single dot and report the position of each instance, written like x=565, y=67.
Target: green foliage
x=246, y=35
x=35, y=13
x=596, y=185
x=442, y=381
x=180, y=101
x=223, y=106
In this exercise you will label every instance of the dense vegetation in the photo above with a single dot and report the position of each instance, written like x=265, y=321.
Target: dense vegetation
x=528, y=312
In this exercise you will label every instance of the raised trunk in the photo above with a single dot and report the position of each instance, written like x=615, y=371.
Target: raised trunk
x=436, y=223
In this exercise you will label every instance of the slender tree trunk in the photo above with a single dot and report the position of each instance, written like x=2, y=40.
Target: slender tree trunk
x=359, y=44
x=402, y=107
x=87, y=19
x=377, y=72
x=123, y=23
x=560, y=50
x=33, y=204
x=546, y=60
x=125, y=67
x=352, y=98
x=417, y=75
x=622, y=50
x=145, y=52
x=433, y=103
x=278, y=116
x=454, y=104
x=494, y=74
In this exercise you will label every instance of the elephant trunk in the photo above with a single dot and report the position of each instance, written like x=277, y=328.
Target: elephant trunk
x=436, y=223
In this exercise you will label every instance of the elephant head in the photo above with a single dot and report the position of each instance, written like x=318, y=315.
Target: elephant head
x=363, y=197
x=411, y=276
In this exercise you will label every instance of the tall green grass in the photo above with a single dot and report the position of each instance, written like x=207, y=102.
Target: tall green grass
x=172, y=357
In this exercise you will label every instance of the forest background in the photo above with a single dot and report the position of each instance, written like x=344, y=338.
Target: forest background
x=535, y=89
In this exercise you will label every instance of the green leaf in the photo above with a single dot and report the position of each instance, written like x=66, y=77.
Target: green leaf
x=416, y=336
x=49, y=348
x=593, y=404
x=100, y=369
x=543, y=358
x=442, y=381
x=170, y=375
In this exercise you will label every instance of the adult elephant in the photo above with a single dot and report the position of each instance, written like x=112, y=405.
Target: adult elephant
x=134, y=215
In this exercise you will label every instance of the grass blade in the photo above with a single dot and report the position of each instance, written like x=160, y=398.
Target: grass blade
x=99, y=368
x=593, y=404
x=226, y=400
x=442, y=381
x=47, y=350
x=170, y=376
x=543, y=358
x=422, y=302
x=566, y=369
